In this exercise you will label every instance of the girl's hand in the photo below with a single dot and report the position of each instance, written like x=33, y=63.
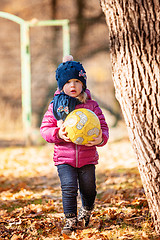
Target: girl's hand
x=96, y=140
x=59, y=123
x=63, y=134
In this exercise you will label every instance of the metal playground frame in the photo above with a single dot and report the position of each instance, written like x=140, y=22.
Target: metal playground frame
x=26, y=60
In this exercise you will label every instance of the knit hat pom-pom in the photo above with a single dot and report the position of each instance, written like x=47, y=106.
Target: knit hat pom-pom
x=67, y=58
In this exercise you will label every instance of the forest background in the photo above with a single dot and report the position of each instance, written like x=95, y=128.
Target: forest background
x=30, y=200
x=89, y=44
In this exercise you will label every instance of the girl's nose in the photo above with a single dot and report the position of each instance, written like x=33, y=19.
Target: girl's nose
x=73, y=83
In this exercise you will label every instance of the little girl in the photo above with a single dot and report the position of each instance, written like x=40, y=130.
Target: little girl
x=75, y=163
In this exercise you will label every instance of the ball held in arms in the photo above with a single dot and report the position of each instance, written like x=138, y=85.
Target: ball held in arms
x=82, y=125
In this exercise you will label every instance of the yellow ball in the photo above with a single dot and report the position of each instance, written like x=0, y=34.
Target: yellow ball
x=82, y=125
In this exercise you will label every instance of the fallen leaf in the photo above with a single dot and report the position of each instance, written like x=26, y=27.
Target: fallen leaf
x=16, y=237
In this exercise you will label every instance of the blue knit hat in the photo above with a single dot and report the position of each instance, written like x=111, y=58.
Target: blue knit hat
x=70, y=70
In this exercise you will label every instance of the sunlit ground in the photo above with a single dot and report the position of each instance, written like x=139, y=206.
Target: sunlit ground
x=30, y=195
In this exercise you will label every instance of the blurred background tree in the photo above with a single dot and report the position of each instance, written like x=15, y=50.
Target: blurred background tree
x=89, y=44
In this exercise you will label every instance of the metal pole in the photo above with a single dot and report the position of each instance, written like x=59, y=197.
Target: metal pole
x=65, y=27
x=36, y=22
x=11, y=17
x=66, y=39
x=25, y=72
x=26, y=63
x=26, y=80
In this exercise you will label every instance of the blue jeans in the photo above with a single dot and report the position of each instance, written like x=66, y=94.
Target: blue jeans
x=70, y=178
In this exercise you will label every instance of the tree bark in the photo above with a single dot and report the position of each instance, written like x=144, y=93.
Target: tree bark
x=134, y=28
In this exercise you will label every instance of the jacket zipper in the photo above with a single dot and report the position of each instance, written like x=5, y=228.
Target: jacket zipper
x=76, y=155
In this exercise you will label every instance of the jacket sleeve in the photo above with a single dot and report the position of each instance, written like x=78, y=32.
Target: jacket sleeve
x=49, y=129
x=104, y=126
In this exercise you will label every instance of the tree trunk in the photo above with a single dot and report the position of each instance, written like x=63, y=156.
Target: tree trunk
x=134, y=28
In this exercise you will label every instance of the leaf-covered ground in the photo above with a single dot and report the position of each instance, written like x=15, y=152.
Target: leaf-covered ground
x=30, y=196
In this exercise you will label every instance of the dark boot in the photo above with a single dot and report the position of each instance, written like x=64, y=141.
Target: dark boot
x=84, y=214
x=70, y=225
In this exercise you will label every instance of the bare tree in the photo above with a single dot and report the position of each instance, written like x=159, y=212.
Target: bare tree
x=134, y=28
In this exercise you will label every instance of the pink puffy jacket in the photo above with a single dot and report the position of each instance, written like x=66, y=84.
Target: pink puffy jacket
x=68, y=152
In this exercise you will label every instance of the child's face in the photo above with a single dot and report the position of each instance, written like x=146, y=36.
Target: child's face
x=73, y=88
